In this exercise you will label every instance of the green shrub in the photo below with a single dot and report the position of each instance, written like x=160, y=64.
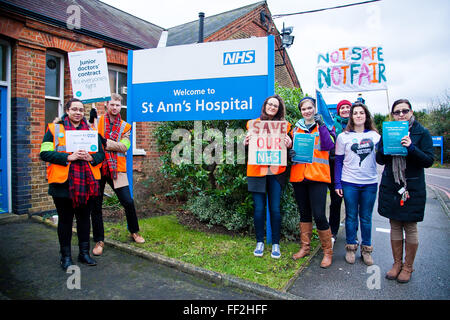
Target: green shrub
x=218, y=192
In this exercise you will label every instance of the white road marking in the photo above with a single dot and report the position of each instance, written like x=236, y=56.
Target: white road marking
x=383, y=230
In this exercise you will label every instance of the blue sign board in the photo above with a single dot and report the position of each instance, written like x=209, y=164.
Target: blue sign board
x=438, y=141
x=221, y=80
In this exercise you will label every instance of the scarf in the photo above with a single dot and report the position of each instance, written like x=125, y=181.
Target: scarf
x=399, y=163
x=82, y=184
x=109, y=168
x=305, y=127
x=340, y=124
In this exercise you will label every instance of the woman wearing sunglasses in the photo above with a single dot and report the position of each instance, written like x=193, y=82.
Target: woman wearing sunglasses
x=402, y=193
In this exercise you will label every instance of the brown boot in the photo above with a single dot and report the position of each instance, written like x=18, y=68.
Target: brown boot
x=350, y=250
x=325, y=240
x=366, y=254
x=305, y=240
x=410, y=254
x=397, y=253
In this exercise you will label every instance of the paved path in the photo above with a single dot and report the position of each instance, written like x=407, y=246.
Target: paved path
x=29, y=269
x=431, y=279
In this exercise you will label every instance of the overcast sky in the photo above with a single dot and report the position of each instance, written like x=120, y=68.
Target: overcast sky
x=414, y=34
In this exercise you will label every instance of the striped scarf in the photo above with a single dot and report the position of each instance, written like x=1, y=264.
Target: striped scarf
x=109, y=168
x=82, y=184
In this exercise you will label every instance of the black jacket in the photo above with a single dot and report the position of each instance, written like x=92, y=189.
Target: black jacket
x=417, y=159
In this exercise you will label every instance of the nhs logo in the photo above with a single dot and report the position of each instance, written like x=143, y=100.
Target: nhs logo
x=239, y=57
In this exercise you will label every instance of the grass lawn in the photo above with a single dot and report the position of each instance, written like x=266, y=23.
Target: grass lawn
x=225, y=254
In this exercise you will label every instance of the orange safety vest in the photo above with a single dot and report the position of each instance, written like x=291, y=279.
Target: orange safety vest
x=57, y=173
x=319, y=169
x=121, y=157
x=255, y=170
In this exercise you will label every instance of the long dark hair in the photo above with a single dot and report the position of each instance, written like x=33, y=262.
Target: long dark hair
x=281, y=109
x=368, y=125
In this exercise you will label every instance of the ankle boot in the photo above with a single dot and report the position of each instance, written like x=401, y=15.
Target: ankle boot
x=305, y=240
x=366, y=254
x=407, y=268
x=66, y=257
x=84, y=256
x=325, y=240
x=350, y=250
x=397, y=253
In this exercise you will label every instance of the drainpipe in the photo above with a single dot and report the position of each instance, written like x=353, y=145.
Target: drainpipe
x=201, y=16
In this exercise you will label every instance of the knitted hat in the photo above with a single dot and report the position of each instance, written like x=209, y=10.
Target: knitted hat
x=341, y=103
x=306, y=98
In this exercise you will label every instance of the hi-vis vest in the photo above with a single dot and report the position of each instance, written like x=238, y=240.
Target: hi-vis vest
x=254, y=170
x=57, y=173
x=319, y=169
x=121, y=157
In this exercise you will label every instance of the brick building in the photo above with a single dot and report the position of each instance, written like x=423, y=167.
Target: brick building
x=35, y=37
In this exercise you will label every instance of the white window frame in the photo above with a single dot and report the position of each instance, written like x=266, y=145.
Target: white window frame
x=136, y=151
x=60, y=99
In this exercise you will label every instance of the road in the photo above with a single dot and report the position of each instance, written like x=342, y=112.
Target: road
x=439, y=178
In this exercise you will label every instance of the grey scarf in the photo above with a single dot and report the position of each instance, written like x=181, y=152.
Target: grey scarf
x=399, y=163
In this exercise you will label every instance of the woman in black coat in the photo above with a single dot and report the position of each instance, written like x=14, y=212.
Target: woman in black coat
x=402, y=193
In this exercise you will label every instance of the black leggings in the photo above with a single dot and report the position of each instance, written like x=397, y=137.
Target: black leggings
x=65, y=219
x=311, y=199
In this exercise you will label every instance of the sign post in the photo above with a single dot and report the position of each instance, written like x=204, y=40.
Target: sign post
x=221, y=80
x=438, y=141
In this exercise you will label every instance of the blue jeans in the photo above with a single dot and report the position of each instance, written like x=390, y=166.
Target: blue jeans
x=359, y=202
x=259, y=213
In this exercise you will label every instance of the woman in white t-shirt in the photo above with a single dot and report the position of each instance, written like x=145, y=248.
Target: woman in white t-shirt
x=356, y=179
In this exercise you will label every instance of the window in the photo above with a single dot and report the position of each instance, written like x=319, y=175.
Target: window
x=3, y=57
x=118, y=84
x=54, y=86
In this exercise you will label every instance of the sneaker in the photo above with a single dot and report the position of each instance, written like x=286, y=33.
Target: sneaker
x=259, y=251
x=276, y=254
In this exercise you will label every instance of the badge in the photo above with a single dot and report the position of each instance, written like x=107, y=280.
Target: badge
x=60, y=135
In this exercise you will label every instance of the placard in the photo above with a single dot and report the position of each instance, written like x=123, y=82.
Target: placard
x=351, y=69
x=303, y=146
x=393, y=132
x=81, y=140
x=89, y=75
x=266, y=145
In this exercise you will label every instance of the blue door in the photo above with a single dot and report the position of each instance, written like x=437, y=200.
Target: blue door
x=3, y=151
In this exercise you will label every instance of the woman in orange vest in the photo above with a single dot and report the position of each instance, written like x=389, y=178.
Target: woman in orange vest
x=310, y=181
x=73, y=181
x=267, y=181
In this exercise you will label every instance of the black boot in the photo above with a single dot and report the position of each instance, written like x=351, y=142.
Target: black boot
x=84, y=256
x=66, y=257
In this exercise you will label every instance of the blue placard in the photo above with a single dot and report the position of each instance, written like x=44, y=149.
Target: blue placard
x=393, y=132
x=303, y=146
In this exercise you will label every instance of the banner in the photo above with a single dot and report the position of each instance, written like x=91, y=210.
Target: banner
x=322, y=108
x=351, y=69
x=204, y=81
x=89, y=75
x=266, y=145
